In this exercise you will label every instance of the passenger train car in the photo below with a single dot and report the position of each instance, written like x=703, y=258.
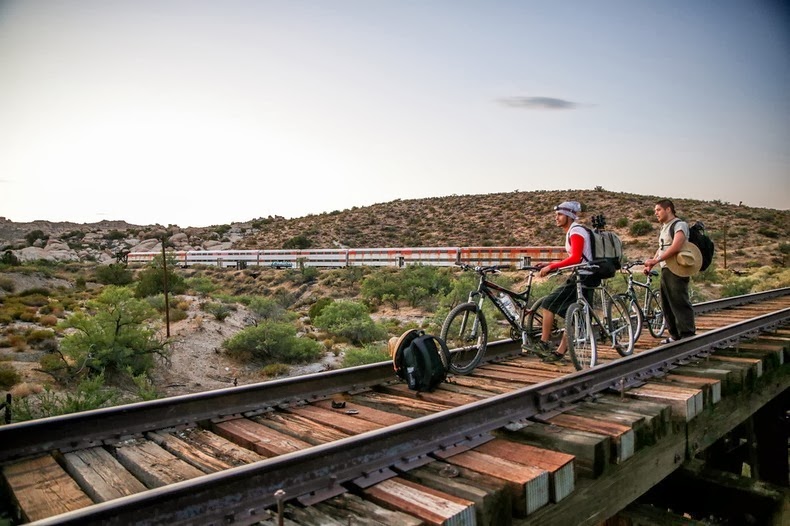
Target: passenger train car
x=516, y=257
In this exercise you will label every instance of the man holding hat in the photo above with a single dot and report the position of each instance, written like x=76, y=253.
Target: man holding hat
x=577, y=244
x=679, y=259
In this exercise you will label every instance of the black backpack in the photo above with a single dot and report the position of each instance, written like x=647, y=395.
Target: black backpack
x=607, y=252
x=698, y=237
x=420, y=362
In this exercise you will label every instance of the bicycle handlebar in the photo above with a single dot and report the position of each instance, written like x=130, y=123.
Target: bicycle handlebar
x=493, y=269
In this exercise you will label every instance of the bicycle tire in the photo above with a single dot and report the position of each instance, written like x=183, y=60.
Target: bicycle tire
x=466, y=347
x=582, y=346
x=635, y=313
x=656, y=323
x=620, y=326
x=534, y=324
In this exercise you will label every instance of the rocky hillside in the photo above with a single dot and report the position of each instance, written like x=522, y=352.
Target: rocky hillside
x=750, y=236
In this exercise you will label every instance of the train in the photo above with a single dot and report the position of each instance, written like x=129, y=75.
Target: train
x=516, y=257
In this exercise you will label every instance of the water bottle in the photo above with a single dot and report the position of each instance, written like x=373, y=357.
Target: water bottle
x=508, y=304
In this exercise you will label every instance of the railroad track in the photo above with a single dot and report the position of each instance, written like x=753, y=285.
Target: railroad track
x=231, y=455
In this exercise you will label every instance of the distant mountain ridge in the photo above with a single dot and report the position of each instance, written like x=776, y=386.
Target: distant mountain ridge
x=512, y=218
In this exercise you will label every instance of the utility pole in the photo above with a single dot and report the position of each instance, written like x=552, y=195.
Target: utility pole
x=167, y=303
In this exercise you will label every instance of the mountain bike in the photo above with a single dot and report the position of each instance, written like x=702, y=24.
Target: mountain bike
x=465, y=329
x=648, y=311
x=587, y=325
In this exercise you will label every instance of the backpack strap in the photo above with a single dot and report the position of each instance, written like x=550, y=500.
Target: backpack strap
x=672, y=227
x=589, y=239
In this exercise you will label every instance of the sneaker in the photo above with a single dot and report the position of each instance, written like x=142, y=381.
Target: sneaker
x=554, y=356
x=667, y=340
x=540, y=349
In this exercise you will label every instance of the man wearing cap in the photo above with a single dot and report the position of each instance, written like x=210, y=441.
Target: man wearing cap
x=577, y=244
x=678, y=259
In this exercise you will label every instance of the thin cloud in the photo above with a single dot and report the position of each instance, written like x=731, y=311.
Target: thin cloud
x=539, y=103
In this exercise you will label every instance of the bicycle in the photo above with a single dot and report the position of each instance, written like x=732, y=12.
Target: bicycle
x=465, y=329
x=649, y=311
x=584, y=327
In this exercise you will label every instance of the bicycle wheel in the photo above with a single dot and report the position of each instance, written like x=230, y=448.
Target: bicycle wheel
x=581, y=340
x=466, y=335
x=654, y=317
x=634, y=313
x=620, y=326
x=534, y=324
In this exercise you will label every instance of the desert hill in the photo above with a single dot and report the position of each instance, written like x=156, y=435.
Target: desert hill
x=749, y=236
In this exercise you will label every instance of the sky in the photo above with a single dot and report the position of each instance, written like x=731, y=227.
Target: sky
x=200, y=113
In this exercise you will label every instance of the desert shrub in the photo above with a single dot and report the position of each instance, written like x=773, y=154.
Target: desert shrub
x=8, y=376
x=737, y=287
x=272, y=341
x=91, y=393
x=151, y=280
x=119, y=336
x=220, y=311
x=621, y=222
x=266, y=308
x=146, y=390
x=350, y=320
x=640, y=228
x=28, y=315
x=114, y=275
x=7, y=284
x=318, y=306
x=177, y=314
x=367, y=354
x=298, y=242
x=767, y=232
x=10, y=259
x=35, y=337
x=274, y=370
x=201, y=284
x=34, y=235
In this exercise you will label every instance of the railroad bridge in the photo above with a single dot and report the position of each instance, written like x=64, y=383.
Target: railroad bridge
x=515, y=442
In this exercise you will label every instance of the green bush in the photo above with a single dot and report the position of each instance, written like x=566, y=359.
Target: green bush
x=367, y=354
x=151, y=280
x=89, y=394
x=220, y=311
x=621, y=222
x=318, y=306
x=640, y=228
x=270, y=342
x=9, y=376
x=266, y=308
x=201, y=284
x=113, y=275
x=350, y=320
x=10, y=259
x=117, y=337
x=7, y=284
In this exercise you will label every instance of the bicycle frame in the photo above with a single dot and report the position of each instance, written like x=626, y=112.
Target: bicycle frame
x=634, y=284
x=489, y=289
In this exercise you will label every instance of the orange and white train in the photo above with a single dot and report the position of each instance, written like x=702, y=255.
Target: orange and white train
x=516, y=257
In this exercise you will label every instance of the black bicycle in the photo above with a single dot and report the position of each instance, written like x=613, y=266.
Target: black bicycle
x=465, y=329
x=601, y=320
x=648, y=310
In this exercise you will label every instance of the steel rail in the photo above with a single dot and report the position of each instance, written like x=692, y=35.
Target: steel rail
x=735, y=301
x=95, y=427
x=100, y=426
x=240, y=495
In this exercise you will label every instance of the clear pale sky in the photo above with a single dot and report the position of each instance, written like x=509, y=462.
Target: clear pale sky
x=198, y=112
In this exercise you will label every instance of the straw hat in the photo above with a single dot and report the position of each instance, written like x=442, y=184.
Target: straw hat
x=687, y=262
x=397, y=343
